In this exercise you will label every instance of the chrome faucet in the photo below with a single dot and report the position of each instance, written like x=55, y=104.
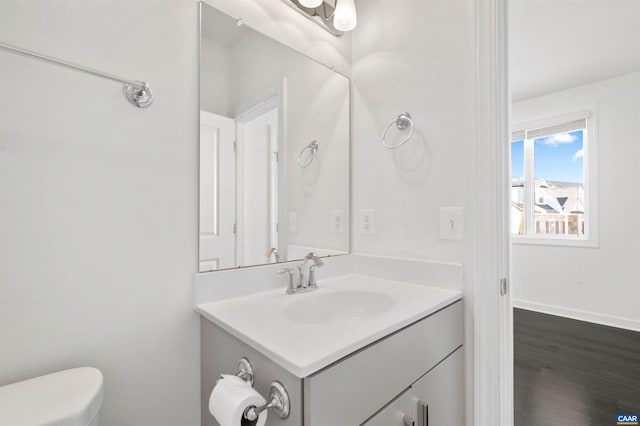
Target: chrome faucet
x=310, y=280
x=305, y=281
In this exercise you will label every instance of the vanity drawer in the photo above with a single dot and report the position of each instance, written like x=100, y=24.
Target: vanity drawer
x=351, y=390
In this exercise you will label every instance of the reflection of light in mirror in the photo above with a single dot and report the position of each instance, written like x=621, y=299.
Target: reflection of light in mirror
x=345, y=18
x=311, y=3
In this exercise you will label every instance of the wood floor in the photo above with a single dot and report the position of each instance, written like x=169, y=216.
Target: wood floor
x=573, y=373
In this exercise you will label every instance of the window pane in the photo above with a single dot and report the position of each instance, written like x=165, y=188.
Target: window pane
x=559, y=184
x=517, y=187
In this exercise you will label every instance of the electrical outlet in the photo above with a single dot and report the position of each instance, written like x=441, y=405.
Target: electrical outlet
x=337, y=222
x=367, y=222
x=293, y=222
x=452, y=223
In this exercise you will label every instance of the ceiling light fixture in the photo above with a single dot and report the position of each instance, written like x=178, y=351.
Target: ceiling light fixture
x=335, y=16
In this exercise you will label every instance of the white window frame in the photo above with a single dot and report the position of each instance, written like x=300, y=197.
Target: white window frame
x=591, y=238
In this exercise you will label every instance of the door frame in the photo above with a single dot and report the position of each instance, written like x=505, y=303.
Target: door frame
x=490, y=248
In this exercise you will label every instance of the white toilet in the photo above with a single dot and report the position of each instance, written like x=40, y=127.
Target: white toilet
x=66, y=398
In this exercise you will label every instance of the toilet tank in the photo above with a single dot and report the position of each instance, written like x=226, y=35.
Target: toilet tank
x=65, y=398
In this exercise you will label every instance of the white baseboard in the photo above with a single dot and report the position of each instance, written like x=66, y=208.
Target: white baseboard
x=611, y=321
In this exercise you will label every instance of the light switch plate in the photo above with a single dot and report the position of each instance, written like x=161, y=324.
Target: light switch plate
x=293, y=222
x=452, y=223
x=337, y=221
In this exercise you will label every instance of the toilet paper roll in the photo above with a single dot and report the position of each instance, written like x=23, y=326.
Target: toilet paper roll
x=230, y=397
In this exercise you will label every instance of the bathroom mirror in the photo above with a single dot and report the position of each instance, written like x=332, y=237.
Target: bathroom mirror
x=274, y=150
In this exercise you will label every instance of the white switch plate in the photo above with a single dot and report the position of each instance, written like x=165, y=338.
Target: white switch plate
x=452, y=223
x=293, y=222
x=337, y=221
x=367, y=222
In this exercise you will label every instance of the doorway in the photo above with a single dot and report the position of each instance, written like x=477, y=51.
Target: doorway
x=575, y=84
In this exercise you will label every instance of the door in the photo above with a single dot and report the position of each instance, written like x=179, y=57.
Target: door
x=439, y=395
x=437, y=398
x=217, y=192
x=257, y=183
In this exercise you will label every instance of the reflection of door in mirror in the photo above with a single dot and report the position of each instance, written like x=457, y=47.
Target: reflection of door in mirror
x=239, y=187
x=257, y=183
x=217, y=192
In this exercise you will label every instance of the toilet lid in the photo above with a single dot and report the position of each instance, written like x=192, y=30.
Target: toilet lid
x=66, y=398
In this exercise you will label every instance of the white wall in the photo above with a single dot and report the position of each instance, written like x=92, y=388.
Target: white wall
x=214, y=86
x=599, y=284
x=99, y=199
x=416, y=56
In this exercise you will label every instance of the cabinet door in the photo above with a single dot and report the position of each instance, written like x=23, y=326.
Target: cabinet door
x=397, y=413
x=362, y=383
x=439, y=394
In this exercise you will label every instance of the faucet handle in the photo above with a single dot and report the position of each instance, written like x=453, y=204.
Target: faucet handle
x=312, y=276
x=292, y=272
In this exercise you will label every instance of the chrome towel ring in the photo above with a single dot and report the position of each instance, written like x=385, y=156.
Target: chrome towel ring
x=312, y=149
x=402, y=122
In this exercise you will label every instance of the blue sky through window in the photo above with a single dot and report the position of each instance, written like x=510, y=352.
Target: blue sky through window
x=560, y=157
x=517, y=159
x=557, y=158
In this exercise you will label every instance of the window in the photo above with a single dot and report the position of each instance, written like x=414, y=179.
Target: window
x=553, y=197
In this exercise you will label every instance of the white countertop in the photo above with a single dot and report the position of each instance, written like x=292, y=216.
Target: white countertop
x=305, y=348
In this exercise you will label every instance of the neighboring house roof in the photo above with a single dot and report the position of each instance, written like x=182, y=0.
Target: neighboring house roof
x=559, y=197
x=572, y=193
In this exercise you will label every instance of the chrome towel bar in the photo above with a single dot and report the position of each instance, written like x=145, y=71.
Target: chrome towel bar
x=137, y=92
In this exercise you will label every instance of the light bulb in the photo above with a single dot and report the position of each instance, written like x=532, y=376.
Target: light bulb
x=311, y=4
x=344, y=17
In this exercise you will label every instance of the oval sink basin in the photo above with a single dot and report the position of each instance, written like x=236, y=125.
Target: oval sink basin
x=340, y=307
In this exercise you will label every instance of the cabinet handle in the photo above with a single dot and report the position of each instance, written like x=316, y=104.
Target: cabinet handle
x=408, y=420
x=423, y=413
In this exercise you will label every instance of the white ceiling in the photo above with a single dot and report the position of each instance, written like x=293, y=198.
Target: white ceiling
x=558, y=44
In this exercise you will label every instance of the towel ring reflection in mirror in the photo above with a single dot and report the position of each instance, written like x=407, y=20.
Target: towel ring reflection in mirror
x=402, y=122
x=308, y=154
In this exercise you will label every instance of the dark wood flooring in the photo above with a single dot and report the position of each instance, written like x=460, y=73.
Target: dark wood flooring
x=573, y=373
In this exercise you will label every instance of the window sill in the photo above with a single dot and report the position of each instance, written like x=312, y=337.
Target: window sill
x=557, y=242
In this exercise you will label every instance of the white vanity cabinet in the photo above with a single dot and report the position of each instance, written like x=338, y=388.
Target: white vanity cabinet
x=437, y=398
x=350, y=391
x=375, y=385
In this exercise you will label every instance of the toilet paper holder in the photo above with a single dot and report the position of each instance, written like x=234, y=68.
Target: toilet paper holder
x=278, y=401
x=245, y=370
